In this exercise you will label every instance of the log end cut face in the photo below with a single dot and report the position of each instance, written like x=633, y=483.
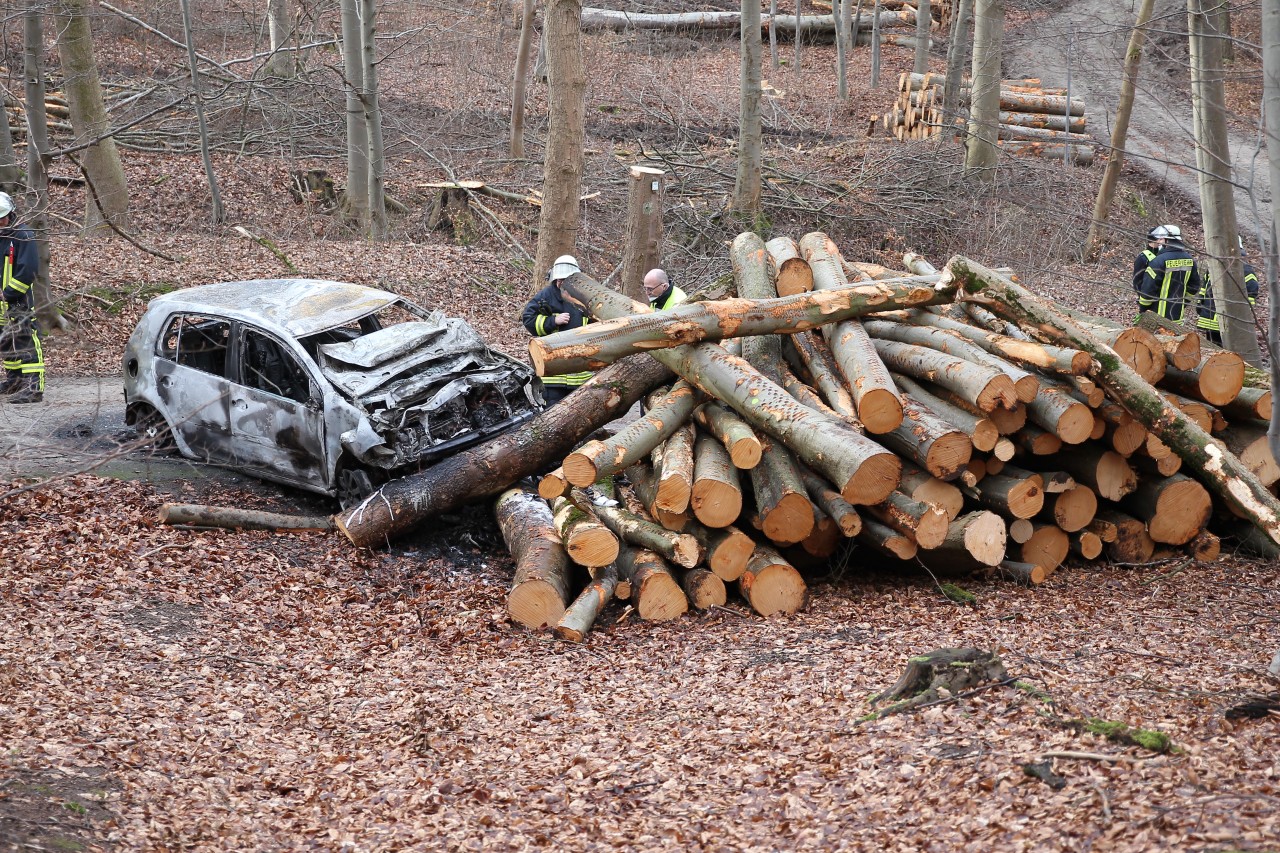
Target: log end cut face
x=535, y=604
x=986, y=538
x=777, y=588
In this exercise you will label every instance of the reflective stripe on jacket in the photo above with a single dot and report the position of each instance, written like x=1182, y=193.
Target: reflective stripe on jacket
x=1207, y=314
x=1170, y=277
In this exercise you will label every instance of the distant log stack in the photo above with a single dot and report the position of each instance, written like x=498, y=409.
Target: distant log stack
x=1034, y=121
x=1001, y=456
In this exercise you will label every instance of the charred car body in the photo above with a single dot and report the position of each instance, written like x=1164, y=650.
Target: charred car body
x=329, y=386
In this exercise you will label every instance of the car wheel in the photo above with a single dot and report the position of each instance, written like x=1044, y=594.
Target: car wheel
x=153, y=428
x=354, y=485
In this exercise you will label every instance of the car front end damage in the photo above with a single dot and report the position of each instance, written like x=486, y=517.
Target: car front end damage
x=427, y=388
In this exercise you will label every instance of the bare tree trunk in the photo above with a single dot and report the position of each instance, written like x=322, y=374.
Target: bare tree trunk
x=109, y=199
x=842, y=49
x=562, y=167
x=283, y=61
x=955, y=59
x=215, y=209
x=981, y=152
x=875, y=47
x=643, y=251
x=10, y=174
x=1271, y=112
x=924, y=20
x=746, y=191
x=373, y=118
x=1217, y=194
x=356, y=199
x=773, y=36
x=795, y=60
x=38, y=157
x=521, y=79
x=1120, y=131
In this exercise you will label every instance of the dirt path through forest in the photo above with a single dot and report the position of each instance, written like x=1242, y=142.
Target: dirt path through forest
x=1085, y=41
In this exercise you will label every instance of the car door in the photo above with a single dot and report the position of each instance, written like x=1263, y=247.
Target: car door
x=192, y=386
x=277, y=413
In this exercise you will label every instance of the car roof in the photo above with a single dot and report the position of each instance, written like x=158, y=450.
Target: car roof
x=299, y=306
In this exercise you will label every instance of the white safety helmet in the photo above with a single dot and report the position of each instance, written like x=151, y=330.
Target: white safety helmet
x=1173, y=232
x=563, y=267
x=6, y=205
x=1157, y=233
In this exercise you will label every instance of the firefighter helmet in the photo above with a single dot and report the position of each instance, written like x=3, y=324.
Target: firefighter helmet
x=6, y=204
x=563, y=267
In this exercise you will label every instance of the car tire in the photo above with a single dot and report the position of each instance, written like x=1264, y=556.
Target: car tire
x=353, y=485
x=152, y=428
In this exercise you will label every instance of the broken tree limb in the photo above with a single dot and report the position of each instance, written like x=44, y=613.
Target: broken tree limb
x=540, y=589
x=1208, y=459
x=487, y=469
x=595, y=345
x=200, y=515
x=864, y=471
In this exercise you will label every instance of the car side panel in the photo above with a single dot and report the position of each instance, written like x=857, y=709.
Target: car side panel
x=197, y=405
x=277, y=436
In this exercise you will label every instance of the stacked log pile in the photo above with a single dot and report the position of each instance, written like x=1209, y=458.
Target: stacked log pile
x=1034, y=120
x=992, y=434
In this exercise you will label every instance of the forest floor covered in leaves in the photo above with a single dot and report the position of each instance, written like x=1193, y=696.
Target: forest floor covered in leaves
x=166, y=689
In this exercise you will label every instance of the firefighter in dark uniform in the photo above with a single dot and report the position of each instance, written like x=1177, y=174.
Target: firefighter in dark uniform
x=1171, y=277
x=1155, y=242
x=550, y=311
x=1208, y=317
x=20, y=344
x=662, y=291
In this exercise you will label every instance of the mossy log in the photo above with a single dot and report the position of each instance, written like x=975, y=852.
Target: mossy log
x=490, y=468
x=863, y=470
x=1250, y=403
x=541, y=586
x=588, y=542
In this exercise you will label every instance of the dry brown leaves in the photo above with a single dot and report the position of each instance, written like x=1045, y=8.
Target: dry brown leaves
x=258, y=691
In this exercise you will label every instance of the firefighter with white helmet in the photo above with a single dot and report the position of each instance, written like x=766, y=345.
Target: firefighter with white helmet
x=20, y=344
x=550, y=311
x=1155, y=240
x=1171, y=277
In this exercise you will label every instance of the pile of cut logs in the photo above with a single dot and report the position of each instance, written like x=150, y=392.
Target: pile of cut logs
x=1034, y=121
x=948, y=420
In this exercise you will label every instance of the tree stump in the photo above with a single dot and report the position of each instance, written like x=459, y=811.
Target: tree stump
x=940, y=674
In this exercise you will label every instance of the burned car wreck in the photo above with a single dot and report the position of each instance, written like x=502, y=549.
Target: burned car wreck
x=329, y=386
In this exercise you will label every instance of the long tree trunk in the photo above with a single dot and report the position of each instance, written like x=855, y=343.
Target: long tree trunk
x=540, y=589
x=108, y=198
x=1217, y=193
x=842, y=50
x=1271, y=118
x=646, y=189
x=924, y=20
x=981, y=152
x=38, y=156
x=1218, y=468
x=489, y=468
x=10, y=172
x=520, y=81
x=356, y=199
x=560, y=216
x=282, y=62
x=956, y=51
x=217, y=214
x=746, y=189
x=1119, y=131
x=369, y=99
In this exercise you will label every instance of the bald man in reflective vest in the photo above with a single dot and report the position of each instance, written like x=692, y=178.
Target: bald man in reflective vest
x=662, y=291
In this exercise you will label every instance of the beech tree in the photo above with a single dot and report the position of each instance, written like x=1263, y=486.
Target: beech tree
x=519, y=83
x=364, y=201
x=956, y=48
x=1217, y=190
x=981, y=151
x=746, y=190
x=216, y=212
x=38, y=156
x=559, y=219
x=107, y=200
x=1271, y=127
x=282, y=62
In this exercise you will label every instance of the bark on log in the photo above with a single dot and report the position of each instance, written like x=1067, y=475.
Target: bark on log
x=981, y=386
x=864, y=471
x=1062, y=415
x=541, y=585
x=703, y=589
x=595, y=345
x=728, y=550
x=199, y=515
x=1036, y=441
x=786, y=515
x=578, y=618
x=675, y=473
x=771, y=584
x=655, y=592
x=716, y=498
x=1027, y=574
x=982, y=432
x=1019, y=497
x=1249, y=403
x=811, y=351
x=1205, y=547
x=793, y=273
x=923, y=486
x=1045, y=356
x=1217, y=467
x=923, y=522
x=1132, y=543
x=931, y=442
x=886, y=540
x=644, y=482
x=1248, y=441
x=1025, y=384
x=490, y=468
x=588, y=542
x=597, y=459
x=680, y=548
x=1175, y=509
x=976, y=540
x=733, y=432
x=828, y=499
